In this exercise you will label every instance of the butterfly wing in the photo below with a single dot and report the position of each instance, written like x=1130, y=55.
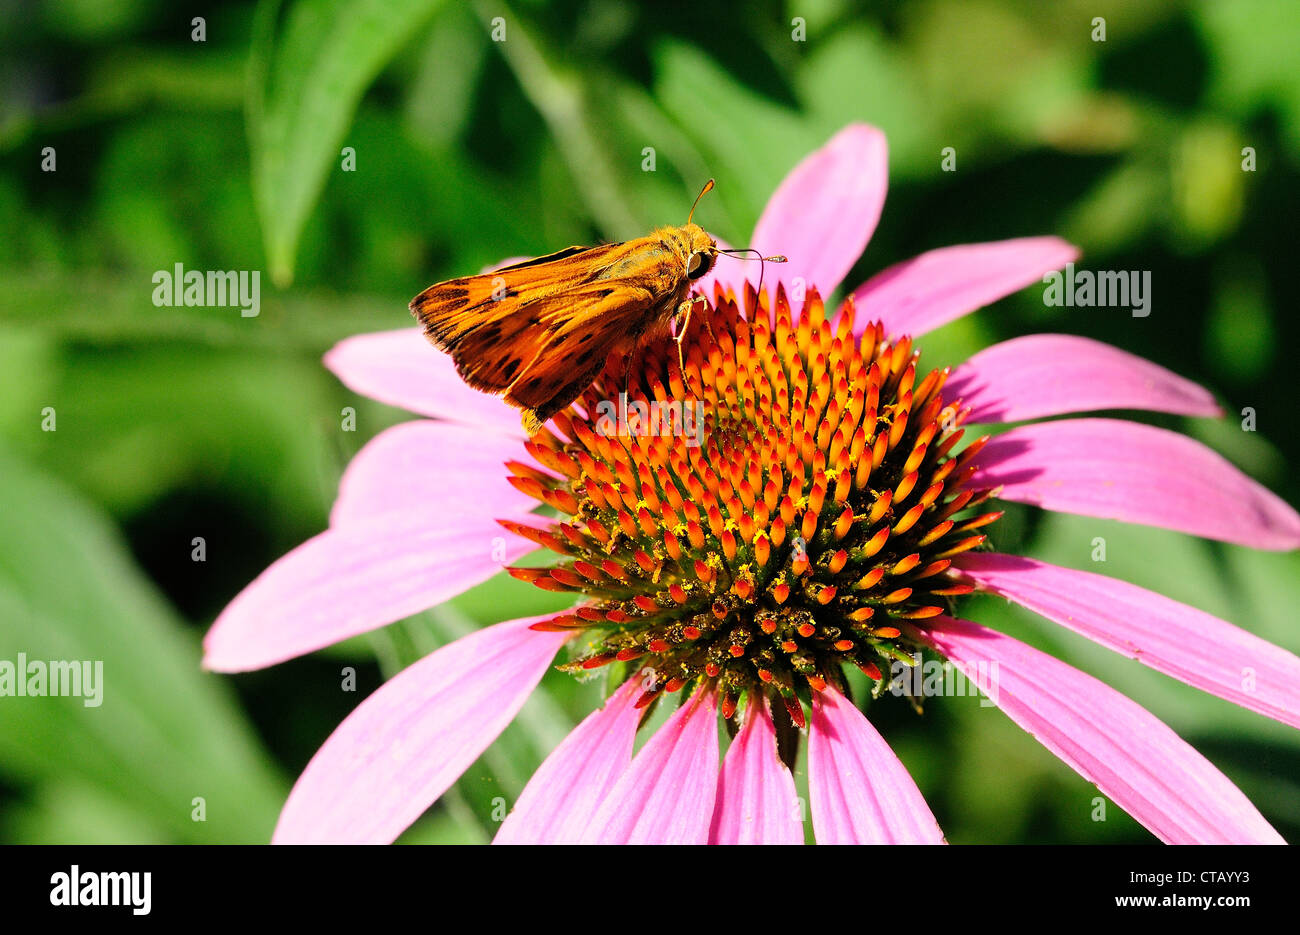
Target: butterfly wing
x=586, y=327
x=492, y=325
x=542, y=330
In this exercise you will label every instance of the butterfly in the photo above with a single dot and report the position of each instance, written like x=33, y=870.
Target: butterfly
x=541, y=331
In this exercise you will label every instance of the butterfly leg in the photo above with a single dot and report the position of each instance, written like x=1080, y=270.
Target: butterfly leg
x=684, y=315
x=627, y=368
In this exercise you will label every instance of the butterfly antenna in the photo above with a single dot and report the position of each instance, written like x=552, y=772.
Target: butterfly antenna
x=708, y=187
x=763, y=260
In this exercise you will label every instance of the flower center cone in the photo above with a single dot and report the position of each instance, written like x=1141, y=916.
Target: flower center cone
x=785, y=508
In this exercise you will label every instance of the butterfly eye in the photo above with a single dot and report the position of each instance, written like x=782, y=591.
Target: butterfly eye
x=700, y=264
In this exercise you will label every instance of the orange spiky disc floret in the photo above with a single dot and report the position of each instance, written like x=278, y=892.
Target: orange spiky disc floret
x=785, y=508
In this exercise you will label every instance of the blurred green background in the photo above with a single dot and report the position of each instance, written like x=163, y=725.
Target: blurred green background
x=225, y=153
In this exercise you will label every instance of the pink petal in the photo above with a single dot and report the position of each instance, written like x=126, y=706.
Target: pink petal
x=431, y=466
x=1170, y=637
x=920, y=294
x=557, y=804
x=403, y=746
x=351, y=580
x=666, y=796
x=860, y=791
x=824, y=212
x=403, y=369
x=757, y=801
x=508, y=261
x=1051, y=374
x=1132, y=757
x=1122, y=470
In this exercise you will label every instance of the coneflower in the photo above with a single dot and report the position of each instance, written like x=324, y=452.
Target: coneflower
x=812, y=505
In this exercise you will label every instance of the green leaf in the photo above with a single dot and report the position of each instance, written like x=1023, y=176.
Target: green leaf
x=749, y=142
x=100, y=307
x=1253, y=49
x=558, y=93
x=305, y=84
x=164, y=733
x=71, y=813
x=860, y=57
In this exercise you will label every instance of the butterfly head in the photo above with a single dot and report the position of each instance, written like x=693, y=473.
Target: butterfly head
x=701, y=250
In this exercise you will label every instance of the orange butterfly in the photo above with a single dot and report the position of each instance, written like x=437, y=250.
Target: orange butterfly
x=541, y=331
